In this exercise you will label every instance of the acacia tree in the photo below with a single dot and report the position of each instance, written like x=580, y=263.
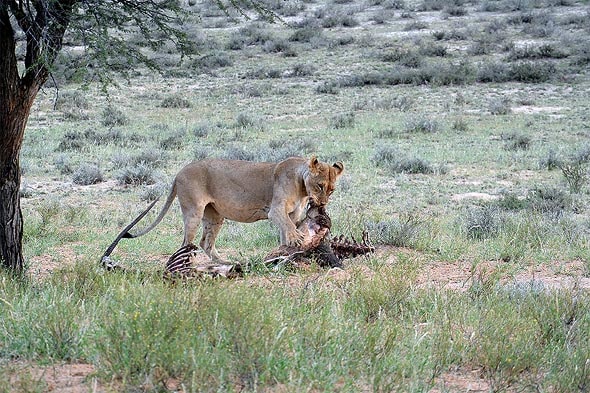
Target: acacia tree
x=36, y=28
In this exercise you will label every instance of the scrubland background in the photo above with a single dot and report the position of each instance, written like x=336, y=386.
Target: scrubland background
x=464, y=129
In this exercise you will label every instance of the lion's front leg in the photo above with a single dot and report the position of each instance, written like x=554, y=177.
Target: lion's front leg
x=289, y=233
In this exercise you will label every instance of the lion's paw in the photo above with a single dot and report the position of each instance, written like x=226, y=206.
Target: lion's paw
x=295, y=238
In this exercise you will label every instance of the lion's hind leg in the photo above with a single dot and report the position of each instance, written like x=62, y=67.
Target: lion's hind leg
x=212, y=222
x=192, y=219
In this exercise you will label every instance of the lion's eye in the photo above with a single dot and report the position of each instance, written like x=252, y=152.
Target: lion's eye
x=320, y=187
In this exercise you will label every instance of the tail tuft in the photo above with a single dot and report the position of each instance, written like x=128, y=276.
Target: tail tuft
x=128, y=235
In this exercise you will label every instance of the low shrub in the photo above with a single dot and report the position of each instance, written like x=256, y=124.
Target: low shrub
x=516, y=141
x=512, y=202
x=532, y=71
x=482, y=222
x=342, y=120
x=200, y=153
x=153, y=192
x=245, y=120
x=549, y=200
x=112, y=117
x=411, y=166
x=339, y=20
x=385, y=155
x=583, y=154
x=421, y=124
x=306, y=34
x=455, y=10
x=550, y=161
x=73, y=105
x=239, y=153
x=460, y=124
x=327, y=88
x=575, y=174
x=500, y=106
x=72, y=141
x=391, y=159
x=150, y=157
x=175, y=101
x=544, y=51
x=404, y=231
x=301, y=70
x=174, y=141
x=87, y=174
x=279, y=46
x=137, y=175
x=406, y=57
x=493, y=72
x=212, y=61
x=433, y=50
x=63, y=164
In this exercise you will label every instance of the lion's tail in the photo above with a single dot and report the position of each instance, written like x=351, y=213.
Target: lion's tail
x=165, y=208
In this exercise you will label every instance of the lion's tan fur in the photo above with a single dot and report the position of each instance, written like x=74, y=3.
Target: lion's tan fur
x=209, y=191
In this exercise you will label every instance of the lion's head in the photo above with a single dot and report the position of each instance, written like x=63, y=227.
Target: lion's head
x=320, y=181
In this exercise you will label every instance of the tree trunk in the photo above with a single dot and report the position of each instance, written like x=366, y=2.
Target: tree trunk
x=11, y=220
x=12, y=126
x=16, y=100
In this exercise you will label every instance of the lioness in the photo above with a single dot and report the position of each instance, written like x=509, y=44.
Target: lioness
x=212, y=190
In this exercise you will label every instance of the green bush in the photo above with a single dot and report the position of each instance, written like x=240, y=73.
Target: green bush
x=211, y=61
x=493, y=72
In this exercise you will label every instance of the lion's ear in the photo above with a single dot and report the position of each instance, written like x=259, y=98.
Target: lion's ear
x=314, y=164
x=339, y=166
